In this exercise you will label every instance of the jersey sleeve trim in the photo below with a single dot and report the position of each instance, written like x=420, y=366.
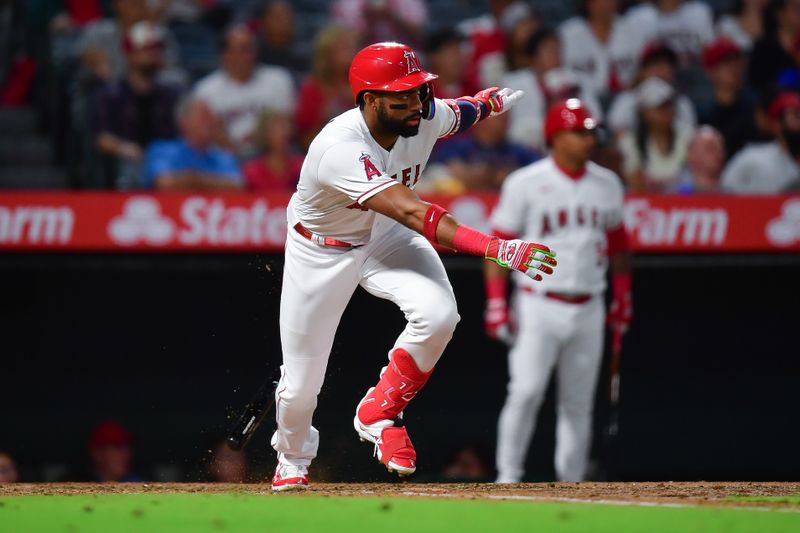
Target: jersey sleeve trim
x=375, y=190
x=456, y=119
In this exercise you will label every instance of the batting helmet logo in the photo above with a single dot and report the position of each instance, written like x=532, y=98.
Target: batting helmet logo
x=412, y=61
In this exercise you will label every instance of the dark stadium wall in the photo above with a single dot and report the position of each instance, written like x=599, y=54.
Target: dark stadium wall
x=171, y=345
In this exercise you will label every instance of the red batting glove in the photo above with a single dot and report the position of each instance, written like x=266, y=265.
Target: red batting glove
x=498, y=100
x=620, y=313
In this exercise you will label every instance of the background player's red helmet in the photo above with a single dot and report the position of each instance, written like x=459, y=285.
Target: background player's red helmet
x=386, y=67
x=569, y=115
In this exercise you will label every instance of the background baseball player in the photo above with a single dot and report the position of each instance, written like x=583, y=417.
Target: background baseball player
x=577, y=206
x=355, y=220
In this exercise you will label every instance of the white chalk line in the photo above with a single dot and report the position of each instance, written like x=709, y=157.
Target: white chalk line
x=619, y=503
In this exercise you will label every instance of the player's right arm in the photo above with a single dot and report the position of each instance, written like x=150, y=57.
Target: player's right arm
x=439, y=227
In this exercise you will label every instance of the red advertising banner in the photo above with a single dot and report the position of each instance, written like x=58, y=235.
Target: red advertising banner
x=118, y=222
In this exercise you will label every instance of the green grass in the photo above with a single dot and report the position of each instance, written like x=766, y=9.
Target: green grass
x=792, y=499
x=200, y=513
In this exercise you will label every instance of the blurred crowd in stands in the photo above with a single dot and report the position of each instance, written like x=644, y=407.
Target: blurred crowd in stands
x=694, y=96
x=111, y=458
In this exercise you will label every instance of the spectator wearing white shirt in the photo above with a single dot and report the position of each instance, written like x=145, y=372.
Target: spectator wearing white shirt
x=770, y=168
x=744, y=23
x=241, y=90
x=654, y=153
x=598, y=44
x=657, y=61
x=527, y=115
x=685, y=26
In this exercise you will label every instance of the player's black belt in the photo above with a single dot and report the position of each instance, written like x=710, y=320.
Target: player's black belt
x=566, y=297
x=321, y=239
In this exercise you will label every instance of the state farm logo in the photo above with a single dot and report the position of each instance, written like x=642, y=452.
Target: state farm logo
x=691, y=226
x=141, y=221
x=785, y=231
x=200, y=221
x=36, y=224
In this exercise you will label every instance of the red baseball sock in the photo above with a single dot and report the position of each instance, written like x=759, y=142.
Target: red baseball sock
x=398, y=385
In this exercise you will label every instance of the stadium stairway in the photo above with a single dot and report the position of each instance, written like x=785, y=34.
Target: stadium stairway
x=25, y=155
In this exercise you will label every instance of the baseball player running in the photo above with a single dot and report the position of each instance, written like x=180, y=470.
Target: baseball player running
x=355, y=220
x=577, y=206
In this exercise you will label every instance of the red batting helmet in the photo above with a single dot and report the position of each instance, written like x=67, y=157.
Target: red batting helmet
x=569, y=115
x=386, y=67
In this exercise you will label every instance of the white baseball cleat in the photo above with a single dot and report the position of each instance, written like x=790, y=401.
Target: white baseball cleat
x=290, y=477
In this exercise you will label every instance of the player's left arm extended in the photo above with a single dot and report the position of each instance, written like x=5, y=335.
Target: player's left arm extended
x=439, y=227
x=620, y=313
x=469, y=110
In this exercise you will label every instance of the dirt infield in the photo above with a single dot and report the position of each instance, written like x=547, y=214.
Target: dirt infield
x=658, y=493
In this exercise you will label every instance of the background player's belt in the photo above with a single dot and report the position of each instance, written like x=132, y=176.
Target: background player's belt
x=320, y=239
x=566, y=297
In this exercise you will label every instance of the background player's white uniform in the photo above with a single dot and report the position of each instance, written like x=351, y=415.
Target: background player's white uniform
x=345, y=167
x=541, y=203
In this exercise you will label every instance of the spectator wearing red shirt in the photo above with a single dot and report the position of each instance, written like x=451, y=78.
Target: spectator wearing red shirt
x=325, y=93
x=111, y=451
x=278, y=168
x=488, y=38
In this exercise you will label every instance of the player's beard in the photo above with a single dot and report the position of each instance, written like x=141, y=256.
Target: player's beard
x=398, y=127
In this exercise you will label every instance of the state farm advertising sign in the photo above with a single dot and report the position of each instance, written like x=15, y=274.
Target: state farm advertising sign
x=137, y=222
x=118, y=222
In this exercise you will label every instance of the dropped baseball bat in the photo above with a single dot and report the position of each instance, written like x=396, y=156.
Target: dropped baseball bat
x=251, y=417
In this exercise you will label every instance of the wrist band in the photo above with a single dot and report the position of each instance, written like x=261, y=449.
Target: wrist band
x=432, y=217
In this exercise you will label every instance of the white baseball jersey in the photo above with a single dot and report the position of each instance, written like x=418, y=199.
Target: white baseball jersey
x=761, y=169
x=686, y=30
x=345, y=167
x=728, y=26
x=238, y=105
x=622, y=116
x=584, y=53
x=540, y=203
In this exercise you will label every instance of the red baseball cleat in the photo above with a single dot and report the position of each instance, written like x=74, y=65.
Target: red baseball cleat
x=290, y=477
x=393, y=446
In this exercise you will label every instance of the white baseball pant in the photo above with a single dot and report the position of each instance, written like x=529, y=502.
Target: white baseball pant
x=397, y=264
x=570, y=337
